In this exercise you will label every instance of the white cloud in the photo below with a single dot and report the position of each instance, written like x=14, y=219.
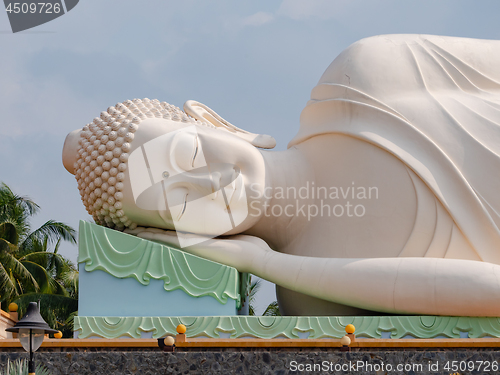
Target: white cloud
x=258, y=19
x=302, y=9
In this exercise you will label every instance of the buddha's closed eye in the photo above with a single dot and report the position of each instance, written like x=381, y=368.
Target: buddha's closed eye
x=186, y=152
x=195, y=151
x=183, y=209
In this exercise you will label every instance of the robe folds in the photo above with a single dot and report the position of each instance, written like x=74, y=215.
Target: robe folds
x=434, y=103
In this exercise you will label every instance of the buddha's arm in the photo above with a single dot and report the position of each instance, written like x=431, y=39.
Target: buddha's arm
x=394, y=285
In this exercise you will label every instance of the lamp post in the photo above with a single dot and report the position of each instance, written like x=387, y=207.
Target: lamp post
x=31, y=331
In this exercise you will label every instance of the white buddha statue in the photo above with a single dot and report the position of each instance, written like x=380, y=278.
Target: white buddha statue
x=386, y=201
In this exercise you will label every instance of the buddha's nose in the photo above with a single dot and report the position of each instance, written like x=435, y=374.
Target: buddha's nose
x=224, y=178
x=209, y=180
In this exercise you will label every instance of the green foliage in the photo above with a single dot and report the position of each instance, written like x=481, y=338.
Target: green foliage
x=271, y=310
x=254, y=288
x=20, y=367
x=30, y=267
x=56, y=310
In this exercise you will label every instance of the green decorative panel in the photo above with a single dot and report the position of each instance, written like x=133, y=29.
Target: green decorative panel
x=126, y=256
x=289, y=327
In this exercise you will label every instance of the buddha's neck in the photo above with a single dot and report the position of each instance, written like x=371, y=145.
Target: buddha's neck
x=286, y=172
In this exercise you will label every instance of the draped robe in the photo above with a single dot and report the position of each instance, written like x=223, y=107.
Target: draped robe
x=434, y=103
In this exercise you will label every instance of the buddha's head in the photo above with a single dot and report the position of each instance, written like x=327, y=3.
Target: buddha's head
x=150, y=164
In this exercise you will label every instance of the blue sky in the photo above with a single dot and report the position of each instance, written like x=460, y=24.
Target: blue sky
x=254, y=62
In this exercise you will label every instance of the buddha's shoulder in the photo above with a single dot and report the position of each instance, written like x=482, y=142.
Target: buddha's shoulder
x=375, y=45
x=393, y=60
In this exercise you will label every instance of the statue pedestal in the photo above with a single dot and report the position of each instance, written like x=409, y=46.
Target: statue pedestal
x=125, y=276
x=291, y=327
x=130, y=287
x=102, y=294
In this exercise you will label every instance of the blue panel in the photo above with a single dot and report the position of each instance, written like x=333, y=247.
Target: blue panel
x=101, y=294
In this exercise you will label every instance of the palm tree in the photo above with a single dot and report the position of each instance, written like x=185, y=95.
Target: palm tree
x=58, y=287
x=254, y=288
x=28, y=269
x=14, y=213
x=271, y=310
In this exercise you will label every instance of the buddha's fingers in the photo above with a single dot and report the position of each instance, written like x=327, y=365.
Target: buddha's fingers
x=139, y=230
x=225, y=251
x=163, y=237
x=134, y=231
x=234, y=253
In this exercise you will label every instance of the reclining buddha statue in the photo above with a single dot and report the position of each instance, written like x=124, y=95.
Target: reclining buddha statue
x=386, y=201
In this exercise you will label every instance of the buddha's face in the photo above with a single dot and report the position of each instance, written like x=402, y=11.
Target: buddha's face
x=192, y=179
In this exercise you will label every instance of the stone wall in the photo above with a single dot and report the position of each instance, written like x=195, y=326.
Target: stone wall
x=277, y=361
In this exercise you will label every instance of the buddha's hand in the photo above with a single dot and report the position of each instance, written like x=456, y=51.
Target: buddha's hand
x=238, y=251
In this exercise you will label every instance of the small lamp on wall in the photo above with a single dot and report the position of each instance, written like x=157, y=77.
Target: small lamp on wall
x=31, y=330
x=167, y=344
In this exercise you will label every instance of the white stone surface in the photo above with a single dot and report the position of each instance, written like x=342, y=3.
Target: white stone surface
x=395, y=167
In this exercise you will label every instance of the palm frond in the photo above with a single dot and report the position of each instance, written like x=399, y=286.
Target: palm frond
x=272, y=310
x=48, y=260
x=46, y=283
x=8, y=232
x=56, y=247
x=52, y=231
x=70, y=321
x=8, y=200
x=16, y=271
x=7, y=287
x=254, y=288
x=6, y=246
x=16, y=209
x=70, y=281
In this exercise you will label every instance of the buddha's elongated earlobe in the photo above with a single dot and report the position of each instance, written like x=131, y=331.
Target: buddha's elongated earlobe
x=203, y=113
x=70, y=149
